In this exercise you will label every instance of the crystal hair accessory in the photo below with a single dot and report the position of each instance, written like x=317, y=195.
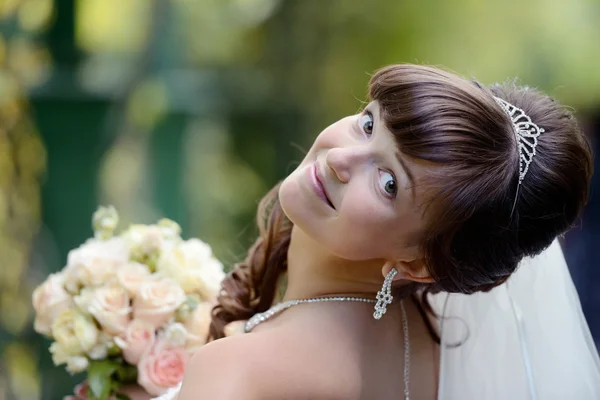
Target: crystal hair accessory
x=526, y=133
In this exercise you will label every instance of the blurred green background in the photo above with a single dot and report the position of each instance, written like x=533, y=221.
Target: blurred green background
x=193, y=109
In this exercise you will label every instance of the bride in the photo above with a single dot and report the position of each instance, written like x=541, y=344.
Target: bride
x=418, y=242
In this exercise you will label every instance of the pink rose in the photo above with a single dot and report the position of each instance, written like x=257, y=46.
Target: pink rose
x=81, y=392
x=157, y=300
x=50, y=299
x=136, y=340
x=110, y=306
x=162, y=368
x=131, y=277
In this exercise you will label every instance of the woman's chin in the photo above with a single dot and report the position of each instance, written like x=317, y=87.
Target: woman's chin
x=292, y=198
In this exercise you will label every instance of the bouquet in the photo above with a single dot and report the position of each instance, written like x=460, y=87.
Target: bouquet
x=130, y=307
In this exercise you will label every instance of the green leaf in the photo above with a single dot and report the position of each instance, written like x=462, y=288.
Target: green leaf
x=121, y=396
x=99, y=378
x=127, y=373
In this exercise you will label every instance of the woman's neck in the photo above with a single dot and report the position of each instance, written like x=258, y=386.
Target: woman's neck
x=315, y=272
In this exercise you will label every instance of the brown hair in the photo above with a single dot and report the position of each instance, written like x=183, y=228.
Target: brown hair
x=481, y=222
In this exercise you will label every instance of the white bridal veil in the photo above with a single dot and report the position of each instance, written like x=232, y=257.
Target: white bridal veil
x=526, y=339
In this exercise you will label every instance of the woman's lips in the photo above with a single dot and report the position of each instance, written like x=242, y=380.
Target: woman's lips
x=317, y=184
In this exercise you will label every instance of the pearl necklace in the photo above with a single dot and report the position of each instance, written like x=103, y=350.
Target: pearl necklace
x=259, y=318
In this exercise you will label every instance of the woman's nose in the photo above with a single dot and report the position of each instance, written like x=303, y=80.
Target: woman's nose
x=342, y=161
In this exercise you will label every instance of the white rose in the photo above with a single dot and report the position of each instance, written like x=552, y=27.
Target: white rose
x=84, y=299
x=77, y=364
x=131, y=277
x=59, y=354
x=105, y=221
x=50, y=299
x=175, y=334
x=75, y=332
x=170, y=228
x=95, y=262
x=198, y=325
x=192, y=264
x=110, y=306
x=74, y=364
x=149, y=239
x=100, y=350
x=157, y=300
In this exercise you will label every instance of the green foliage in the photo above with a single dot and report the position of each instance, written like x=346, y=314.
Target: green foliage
x=105, y=377
x=100, y=378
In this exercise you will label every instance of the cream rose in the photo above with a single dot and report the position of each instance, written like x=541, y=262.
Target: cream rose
x=162, y=368
x=192, y=264
x=110, y=306
x=77, y=364
x=105, y=221
x=101, y=349
x=198, y=324
x=75, y=332
x=74, y=364
x=50, y=299
x=84, y=299
x=131, y=277
x=176, y=334
x=95, y=263
x=157, y=300
x=137, y=339
x=149, y=239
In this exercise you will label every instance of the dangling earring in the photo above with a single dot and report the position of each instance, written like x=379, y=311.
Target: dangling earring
x=384, y=296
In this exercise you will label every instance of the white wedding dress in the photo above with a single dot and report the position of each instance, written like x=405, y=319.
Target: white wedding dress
x=526, y=339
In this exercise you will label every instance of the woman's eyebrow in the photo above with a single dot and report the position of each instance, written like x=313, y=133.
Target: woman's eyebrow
x=409, y=173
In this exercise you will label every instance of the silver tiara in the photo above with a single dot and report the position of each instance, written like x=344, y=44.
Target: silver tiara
x=526, y=133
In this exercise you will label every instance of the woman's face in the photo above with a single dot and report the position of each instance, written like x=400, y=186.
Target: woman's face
x=355, y=193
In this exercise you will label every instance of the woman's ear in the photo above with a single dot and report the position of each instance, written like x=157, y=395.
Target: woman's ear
x=414, y=270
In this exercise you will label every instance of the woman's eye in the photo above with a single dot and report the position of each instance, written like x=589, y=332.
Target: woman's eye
x=366, y=123
x=388, y=183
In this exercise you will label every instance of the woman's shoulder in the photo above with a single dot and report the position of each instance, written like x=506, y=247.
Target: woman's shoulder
x=227, y=368
x=254, y=366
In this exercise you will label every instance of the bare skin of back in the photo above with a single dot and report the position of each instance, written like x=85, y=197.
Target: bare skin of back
x=319, y=351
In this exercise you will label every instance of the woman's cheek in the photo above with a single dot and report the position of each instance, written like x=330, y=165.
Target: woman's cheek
x=361, y=208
